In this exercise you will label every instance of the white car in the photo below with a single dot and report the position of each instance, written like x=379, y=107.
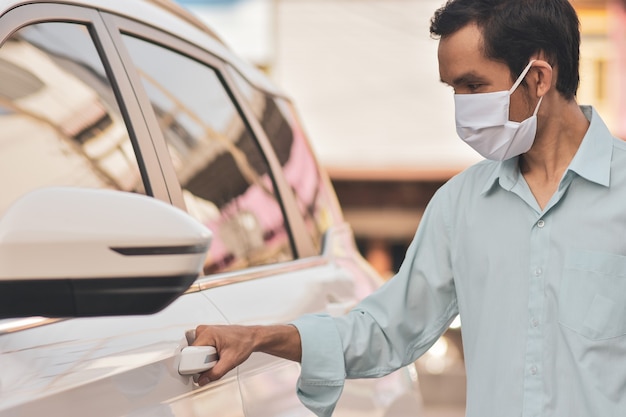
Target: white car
x=150, y=182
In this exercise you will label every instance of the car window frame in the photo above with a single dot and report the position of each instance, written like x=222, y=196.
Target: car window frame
x=117, y=25
x=30, y=14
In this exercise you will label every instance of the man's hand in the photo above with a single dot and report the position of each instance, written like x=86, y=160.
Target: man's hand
x=235, y=344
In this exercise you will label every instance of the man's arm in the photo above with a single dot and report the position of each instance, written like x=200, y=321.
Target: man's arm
x=235, y=344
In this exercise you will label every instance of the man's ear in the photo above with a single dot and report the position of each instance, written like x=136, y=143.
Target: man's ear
x=542, y=77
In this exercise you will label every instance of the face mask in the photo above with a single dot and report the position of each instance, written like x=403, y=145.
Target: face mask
x=482, y=121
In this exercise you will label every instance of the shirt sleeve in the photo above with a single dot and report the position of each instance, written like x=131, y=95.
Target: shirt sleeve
x=387, y=330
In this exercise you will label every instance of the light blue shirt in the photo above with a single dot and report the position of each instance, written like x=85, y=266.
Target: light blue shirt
x=541, y=294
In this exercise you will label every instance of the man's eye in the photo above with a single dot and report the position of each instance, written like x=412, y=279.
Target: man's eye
x=473, y=87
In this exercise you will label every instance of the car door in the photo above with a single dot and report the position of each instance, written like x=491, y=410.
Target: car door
x=69, y=117
x=115, y=366
x=274, y=257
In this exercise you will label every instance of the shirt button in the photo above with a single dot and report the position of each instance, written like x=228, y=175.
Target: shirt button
x=538, y=272
x=541, y=223
x=533, y=370
x=534, y=322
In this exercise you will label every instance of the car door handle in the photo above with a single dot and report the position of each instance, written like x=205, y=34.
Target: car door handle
x=196, y=359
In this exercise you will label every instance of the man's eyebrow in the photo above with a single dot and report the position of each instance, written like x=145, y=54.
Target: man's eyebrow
x=464, y=79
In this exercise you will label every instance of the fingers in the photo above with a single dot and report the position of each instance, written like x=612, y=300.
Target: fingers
x=203, y=380
x=213, y=374
x=203, y=336
x=225, y=339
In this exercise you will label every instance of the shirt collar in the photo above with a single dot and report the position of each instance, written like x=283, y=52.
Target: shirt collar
x=507, y=172
x=592, y=160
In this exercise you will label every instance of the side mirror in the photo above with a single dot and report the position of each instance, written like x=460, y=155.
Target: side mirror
x=72, y=252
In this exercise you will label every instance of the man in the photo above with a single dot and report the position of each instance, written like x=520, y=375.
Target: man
x=529, y=246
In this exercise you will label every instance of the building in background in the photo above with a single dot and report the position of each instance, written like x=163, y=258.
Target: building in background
x=603, y=59
x=247, y=26
x=617, y=36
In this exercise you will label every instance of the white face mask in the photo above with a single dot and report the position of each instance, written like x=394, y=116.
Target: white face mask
x=482, y=121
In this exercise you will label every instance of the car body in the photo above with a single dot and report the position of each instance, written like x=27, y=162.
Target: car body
x=131, y=139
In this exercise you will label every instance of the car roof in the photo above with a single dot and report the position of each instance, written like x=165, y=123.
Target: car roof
x=164, y=14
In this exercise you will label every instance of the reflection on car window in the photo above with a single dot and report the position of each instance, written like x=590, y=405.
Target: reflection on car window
x=61, y=124
x=225, y=178
x=279, y=120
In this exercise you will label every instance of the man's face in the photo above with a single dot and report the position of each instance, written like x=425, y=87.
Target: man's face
x=463, y=66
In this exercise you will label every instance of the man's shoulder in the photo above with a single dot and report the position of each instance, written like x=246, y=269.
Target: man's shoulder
x=465, y=189
x=478, y=175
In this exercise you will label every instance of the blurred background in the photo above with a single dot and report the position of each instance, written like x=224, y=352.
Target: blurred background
x=364, y=77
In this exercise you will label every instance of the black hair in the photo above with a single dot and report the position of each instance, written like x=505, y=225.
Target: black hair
x=514, y=30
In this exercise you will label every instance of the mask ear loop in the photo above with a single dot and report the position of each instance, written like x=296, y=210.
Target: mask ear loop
x=519, y=81
x=521, y=77
x=538, y=104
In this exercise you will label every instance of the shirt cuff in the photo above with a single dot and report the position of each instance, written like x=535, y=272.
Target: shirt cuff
x=323, y=368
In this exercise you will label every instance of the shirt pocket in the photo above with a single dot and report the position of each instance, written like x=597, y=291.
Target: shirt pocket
x=592, y=298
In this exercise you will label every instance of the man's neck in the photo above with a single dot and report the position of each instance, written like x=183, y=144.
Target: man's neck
x=556, y=144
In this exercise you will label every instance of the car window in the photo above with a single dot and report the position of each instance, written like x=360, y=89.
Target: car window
x=279, y=120
x=61, y=123
x=226, y=181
